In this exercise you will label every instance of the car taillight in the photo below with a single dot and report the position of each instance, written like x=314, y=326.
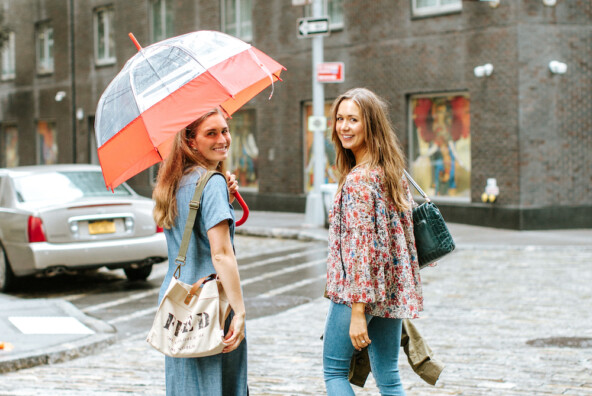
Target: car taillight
x=35, y=230
x=159, y=229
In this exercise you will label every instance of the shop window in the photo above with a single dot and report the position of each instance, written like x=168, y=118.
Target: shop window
x=330, y=170
x=104, y=42
x=333, y=9
x=8, y=55
x=47, y=144
x=440, y=144
x=44, y=44
x=11, y=155
x=244, y=150
x=435, y=7
x=237, y=18
x=161, y=18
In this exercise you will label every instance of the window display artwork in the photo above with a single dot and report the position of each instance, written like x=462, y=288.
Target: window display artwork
x=11, y=146
x=244, y=152
x=440, y=150
x=47, y=143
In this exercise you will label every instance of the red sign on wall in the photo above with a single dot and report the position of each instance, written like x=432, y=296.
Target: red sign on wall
x=330, y=72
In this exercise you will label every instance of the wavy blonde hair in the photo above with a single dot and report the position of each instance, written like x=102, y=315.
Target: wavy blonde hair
x=381, y=142
x=181, y=160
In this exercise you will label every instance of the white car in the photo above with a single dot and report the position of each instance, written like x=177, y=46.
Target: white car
x=62, y=217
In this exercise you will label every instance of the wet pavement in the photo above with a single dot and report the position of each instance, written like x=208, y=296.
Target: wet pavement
x=508, y=313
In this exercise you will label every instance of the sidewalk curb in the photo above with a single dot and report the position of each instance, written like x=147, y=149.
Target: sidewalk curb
x=288, y=233
x=284, y=233
x=105, y=334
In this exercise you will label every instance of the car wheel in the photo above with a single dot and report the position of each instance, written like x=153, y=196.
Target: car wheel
x=6, y=275
x=140, y=273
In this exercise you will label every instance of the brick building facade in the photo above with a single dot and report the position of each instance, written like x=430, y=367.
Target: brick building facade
x=526, y=127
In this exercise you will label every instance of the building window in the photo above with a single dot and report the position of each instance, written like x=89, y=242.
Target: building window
x=435, y=7
x=244, y=152
x=104, y=42
x=11, y=156
x=161, y=17
x=8, y=63
x=237, y=18
x=332, y=9
x=440, y=144
x=44, y=48
x=47, y=144
x=330, y=170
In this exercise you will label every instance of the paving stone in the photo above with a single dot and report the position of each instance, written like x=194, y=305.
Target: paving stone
x=481, y=309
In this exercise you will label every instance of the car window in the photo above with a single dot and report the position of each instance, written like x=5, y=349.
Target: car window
x=59, y=187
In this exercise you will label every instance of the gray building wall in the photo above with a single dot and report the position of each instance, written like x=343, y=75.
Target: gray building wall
x=530, y=129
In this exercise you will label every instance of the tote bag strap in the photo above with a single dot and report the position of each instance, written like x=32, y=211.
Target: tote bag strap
x=423, y=194
x=193, y=209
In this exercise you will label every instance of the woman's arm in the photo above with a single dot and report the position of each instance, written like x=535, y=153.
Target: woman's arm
x=227, y=269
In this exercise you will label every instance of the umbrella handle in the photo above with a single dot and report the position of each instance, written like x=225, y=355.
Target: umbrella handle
x=243, y=205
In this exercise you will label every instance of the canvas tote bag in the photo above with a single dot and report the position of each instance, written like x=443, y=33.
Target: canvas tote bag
x=190, y=319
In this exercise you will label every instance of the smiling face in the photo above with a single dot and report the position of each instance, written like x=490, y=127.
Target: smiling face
x=212, y=140
x=350, y=128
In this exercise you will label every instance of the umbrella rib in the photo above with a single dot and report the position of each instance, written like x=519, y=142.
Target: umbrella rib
x=203, y=67
x=264, y=68
x=142, y=52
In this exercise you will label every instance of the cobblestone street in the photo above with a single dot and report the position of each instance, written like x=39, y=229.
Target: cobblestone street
x=496, y=318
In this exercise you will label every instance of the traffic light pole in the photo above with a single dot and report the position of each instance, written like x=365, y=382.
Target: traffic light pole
x=315, y=210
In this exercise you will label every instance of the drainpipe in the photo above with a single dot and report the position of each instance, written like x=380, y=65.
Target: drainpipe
x=73, y=82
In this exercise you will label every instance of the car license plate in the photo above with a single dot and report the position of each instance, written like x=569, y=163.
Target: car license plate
x=101, y=227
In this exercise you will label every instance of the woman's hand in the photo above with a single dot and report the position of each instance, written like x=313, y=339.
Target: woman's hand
x=236, y=333
x=232, y=184
x=358, y=328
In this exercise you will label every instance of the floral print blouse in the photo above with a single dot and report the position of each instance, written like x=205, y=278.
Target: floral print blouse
x=372, y=256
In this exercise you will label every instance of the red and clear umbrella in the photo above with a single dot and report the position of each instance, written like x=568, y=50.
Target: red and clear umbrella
x=166, y=86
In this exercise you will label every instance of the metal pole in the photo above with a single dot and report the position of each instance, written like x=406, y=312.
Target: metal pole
x=315, y=211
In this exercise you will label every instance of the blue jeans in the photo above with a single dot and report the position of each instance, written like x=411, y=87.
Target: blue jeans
x=385, y=337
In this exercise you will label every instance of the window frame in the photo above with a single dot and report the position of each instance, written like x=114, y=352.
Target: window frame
x=238, y=22
x=436, y=10
x=164, y=9
x=333, y=26
x=108, y=13
x=9, y=57
x=45, y=61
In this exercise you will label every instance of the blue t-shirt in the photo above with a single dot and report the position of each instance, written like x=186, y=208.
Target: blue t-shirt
x=214, y=208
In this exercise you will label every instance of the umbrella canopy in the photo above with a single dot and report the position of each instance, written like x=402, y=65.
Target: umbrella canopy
x=166, y=86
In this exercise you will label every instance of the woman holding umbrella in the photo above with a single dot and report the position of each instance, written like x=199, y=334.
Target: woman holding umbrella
x=372, y=270
x=202, y=146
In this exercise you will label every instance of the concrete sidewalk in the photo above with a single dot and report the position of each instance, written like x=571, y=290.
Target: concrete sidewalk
x=85, y=334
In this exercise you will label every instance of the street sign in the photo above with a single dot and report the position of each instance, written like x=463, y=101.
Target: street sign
x=330, y=72
x=308, y=27
x=317, y=123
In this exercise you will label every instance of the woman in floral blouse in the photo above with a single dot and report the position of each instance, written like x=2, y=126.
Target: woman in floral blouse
x=372, y=271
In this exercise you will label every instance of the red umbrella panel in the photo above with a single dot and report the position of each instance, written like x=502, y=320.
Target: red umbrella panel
x=165, y=87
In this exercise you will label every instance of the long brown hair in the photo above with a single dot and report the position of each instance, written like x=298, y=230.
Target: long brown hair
x=380, y=140
x=181, y=160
